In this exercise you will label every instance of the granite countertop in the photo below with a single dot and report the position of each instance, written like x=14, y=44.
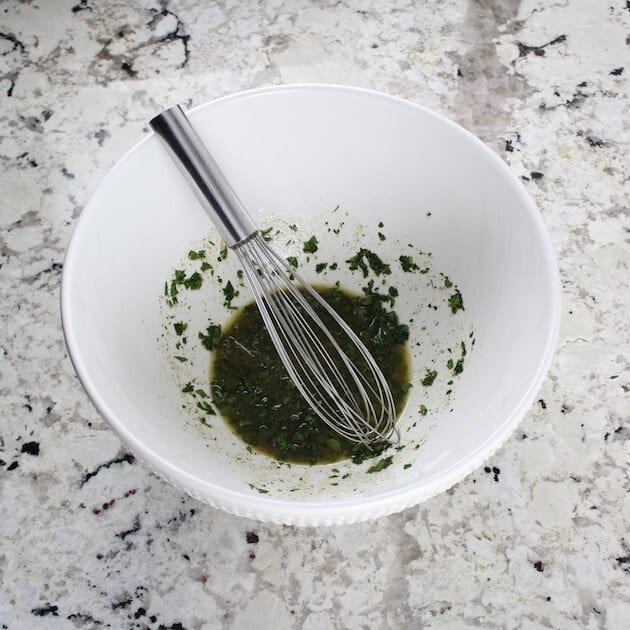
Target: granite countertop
x=89, y=538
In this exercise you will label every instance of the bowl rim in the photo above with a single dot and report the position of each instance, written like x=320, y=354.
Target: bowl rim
x=351, y=509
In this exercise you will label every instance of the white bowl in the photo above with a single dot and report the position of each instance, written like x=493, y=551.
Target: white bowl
x=301, y=151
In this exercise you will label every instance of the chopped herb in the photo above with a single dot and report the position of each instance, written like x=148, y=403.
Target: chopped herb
x=193, y=255
x=405, y=387
x=188, y=388
x=333, y=266
x=406, y=466
x=456, y=302
x=201, y=393
x=207, y=407
x=181, y=359
x=310, y=246
x=428, y=214
x=179, y=327
x=210, y=340
x=423, y=410
x=261, y=490
x=223, y=253
x=193, y=282
x=459, y=367
x=427, y=381
x=381, y=236
x=230, y=294
x=293, y=261
x=365, y=258
x=265, y=234
x=293, y=227
x=166, y=289
x=447, y=282
x=205, y=265
x=320, y=267
x=463, y=346
x=407, y=264
x=381, y=224
x=239, y=274
x=450, y=364
x=381, y=465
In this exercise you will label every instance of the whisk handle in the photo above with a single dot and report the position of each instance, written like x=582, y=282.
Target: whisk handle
x=213, y=189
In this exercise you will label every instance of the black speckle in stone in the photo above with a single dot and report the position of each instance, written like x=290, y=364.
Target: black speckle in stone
x=606, y=436
x=487, y=469
x=497, y=472
x=126, y=458
x=121, y=604
x=128, y=68
x=32, y=448
x=542, y=403
x=12, y=466
x=538, y=565
x=595, y=142
x=508, y=146
x=252, y=537
x=82, y=6
x=617, y=71
x=45, y=610
x=536, y=175
x=583, y=84
x=140, y=613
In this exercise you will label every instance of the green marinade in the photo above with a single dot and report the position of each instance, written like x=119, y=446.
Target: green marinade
x=256, y=396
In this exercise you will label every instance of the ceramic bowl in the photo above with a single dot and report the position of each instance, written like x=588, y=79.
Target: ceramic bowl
x=333, y=161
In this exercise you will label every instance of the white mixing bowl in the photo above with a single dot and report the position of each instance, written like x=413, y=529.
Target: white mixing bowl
x=295, y=153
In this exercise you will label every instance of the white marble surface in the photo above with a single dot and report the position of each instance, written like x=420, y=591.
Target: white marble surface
x=539, y=539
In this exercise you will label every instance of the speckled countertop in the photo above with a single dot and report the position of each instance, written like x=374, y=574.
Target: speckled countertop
x=89, y=538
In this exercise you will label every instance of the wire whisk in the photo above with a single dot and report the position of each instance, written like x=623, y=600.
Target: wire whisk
x=351, y=395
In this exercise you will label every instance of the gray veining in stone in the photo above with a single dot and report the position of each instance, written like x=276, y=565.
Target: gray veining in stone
x=540, y=538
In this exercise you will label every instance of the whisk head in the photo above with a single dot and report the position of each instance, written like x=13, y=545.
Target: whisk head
x=351, y=395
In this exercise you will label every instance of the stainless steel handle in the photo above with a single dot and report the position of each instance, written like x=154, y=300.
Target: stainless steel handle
x=208, y=181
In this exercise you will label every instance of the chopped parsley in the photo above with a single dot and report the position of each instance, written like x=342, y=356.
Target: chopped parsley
x=189, y=388
x=210, y=340
x=265, y=234
x=407, y=264
x=381, y=236
x=196, y=255
x=230, y=293
x=406, y=466
x=180, y=327
x=423, y=410
x=447, y=282
x=381, y=465
x=320, y=267
x=310, y=246
x=194, y=281
x=206, y=407
x=364, y=259
x=181, y=359
x=429, y=377
x=459, y=367
x=456, y=302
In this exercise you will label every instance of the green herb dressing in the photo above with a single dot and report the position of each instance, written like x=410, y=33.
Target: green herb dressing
x=255, y=395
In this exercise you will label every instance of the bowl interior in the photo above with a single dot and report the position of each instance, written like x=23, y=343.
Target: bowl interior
x=294, y=154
